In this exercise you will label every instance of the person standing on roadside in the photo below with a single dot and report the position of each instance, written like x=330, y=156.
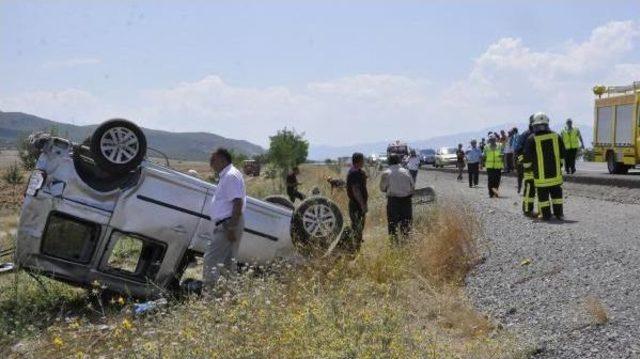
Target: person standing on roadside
x=413, y=165
x=397, y=184
x=358, y=198
x=493, y=161
x=460, y=157
x=572, y=140
x=227, y=208
x=508, y=152
x=474, y=156
x=518, y=149
x=543, y=153
x=292, y=185
x=482, y=144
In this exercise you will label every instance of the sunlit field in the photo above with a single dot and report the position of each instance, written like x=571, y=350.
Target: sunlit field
x=394, y=302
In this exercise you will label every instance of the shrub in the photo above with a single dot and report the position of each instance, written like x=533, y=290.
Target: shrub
x=13, y=175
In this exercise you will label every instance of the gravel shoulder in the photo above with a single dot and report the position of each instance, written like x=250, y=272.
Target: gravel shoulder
x=538, y=277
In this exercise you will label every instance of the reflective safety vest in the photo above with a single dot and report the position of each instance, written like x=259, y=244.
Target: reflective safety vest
x=493, y=158
x=527, y=171
x=548, y=171
x=571, y=138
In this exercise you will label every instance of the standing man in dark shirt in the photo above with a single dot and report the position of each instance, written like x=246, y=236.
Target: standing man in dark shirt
x=292, y=185
x=460, y=157
x=358, y=197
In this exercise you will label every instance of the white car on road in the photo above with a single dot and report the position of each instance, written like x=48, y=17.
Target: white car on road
x=446, y=156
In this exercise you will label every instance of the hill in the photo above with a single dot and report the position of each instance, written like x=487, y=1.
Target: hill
x=194, y=146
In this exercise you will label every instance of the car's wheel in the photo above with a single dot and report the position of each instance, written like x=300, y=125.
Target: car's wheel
x=279, y=200
x=316, y=223
x=118, y=146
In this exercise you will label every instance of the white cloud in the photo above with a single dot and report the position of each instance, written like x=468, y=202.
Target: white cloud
x=510, y=80
x=72, y=62
x=507, y=82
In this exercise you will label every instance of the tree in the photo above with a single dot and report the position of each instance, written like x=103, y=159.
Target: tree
x=237, y=158
x=287, y=149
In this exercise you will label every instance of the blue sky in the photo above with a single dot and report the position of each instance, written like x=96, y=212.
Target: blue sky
x=338, y=70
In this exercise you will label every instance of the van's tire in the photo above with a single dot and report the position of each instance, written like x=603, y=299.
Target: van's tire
x=118, y=146
x=279, y=200
x=316, y=223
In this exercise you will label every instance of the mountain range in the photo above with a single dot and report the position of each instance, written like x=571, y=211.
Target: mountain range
x=321, y=152
x=195, y=146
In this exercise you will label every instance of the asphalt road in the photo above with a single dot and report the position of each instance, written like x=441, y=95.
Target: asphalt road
x=538, y=278
x=589, y=173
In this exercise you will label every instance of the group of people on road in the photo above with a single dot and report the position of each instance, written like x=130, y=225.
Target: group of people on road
x=537, y=155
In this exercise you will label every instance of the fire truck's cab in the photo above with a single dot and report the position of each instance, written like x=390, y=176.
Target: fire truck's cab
x=616, y=127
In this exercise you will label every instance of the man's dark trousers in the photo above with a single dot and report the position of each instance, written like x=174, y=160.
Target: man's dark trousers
x=474, y=172
x=399, y=214
x=357, y=216
x=570, y=160
x=520, y=171
x=493, y=175
x=293, y=194
x=548, y=198
x=414, y=175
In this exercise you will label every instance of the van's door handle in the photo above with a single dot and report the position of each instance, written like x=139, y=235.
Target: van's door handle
x=204, y=236
x=179, y=229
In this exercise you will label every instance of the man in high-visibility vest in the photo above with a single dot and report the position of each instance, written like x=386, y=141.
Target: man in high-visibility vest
x=544, y=152
x=572, y=140
x=493, y=162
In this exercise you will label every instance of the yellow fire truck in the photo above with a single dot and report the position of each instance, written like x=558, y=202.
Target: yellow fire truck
x=616, y=127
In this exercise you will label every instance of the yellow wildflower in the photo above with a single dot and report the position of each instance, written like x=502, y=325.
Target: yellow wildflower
x=57, y=341
x=120, y=300
x=126, y=324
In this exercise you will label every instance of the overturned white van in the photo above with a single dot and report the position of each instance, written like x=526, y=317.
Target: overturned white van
x=99, y=211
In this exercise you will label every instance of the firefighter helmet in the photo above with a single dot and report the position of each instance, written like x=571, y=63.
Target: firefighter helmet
x=540, y=118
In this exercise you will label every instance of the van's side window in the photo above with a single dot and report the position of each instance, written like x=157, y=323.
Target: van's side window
x=69, y=238
x=134, y=256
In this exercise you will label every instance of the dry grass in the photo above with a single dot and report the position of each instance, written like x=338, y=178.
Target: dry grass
x=393, y=302
x=596, y=309
x=449, y=250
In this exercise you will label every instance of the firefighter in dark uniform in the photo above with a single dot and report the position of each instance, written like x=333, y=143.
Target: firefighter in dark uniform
x=543, y=153
x=526, y=176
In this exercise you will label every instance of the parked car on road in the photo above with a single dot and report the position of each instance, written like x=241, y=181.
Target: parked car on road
x=445, y=156
x=100, y=212
x=428, y=157
x=398, y=148
x=251, y=168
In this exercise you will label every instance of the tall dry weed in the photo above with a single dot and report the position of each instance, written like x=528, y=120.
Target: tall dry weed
x=445, y=245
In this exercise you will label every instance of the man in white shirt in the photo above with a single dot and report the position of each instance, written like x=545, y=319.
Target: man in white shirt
x=474, y=157
x=227, y=208
x=398, y=185
x=413, y=165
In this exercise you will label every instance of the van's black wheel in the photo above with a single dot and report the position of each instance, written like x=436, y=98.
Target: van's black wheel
x=279, y=200
x=118, y=146
x=316, y=223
